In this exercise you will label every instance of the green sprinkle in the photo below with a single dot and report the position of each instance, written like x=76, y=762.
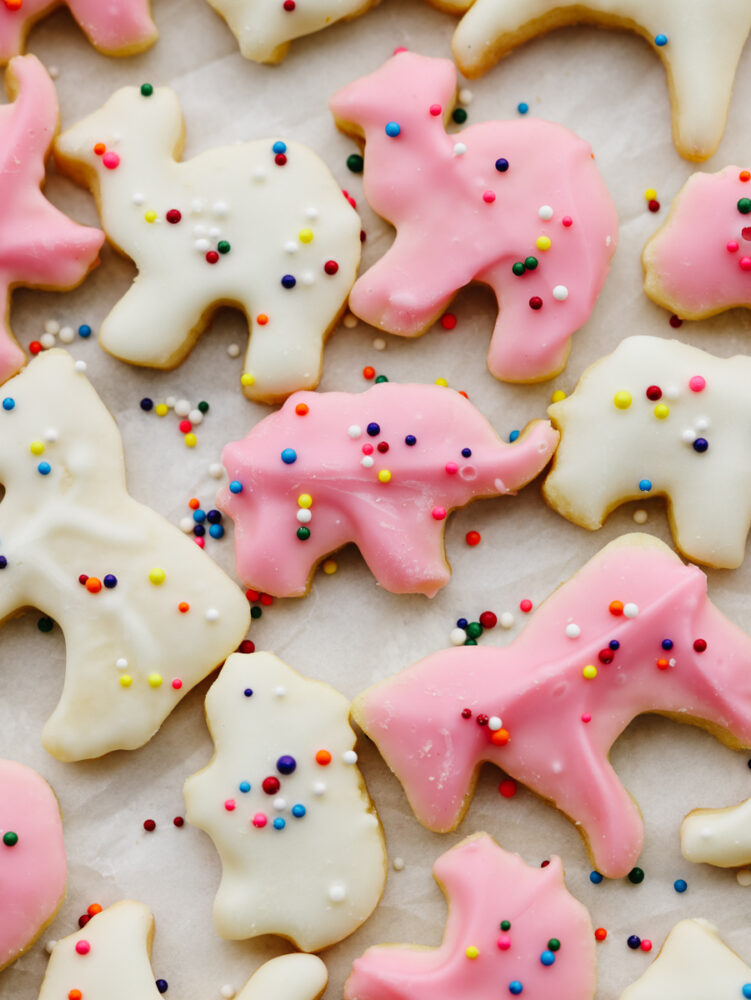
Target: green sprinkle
x=10, y=839
x=518, y=268
x=146, y=90
x=530, y=263
x=459, y=115
x=381, y=378
x=45, y=624
x=255, y=611
x=355, y=163
x=474, y=630
x=303, y=533
x=223, y=246
x=203, y=406
x=636, y=875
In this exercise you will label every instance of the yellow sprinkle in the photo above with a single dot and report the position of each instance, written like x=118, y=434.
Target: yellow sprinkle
x=247, y=379
x=305, y=235
x=155, y=680
x=384, y=476
x=150, y=216
x=125, y=680
x=36, y=448
x=622, y=399
x=650, y=194
x=590, y=672
x=661, y=411
x=441, y=381
x=305, y=500
x=472, y=952
x=157, y=576
x=558, y=395
x=161, y=409
x=191, y=440
x=330, y=567
x=543, y=242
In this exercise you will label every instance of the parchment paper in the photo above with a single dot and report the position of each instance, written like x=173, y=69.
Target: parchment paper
x=611, y=89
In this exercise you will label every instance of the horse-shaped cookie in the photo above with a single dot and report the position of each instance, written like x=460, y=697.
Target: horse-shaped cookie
x=261, y=225
x=632, y=632
x=381, y=468
x=145, y=613
x=517, y=205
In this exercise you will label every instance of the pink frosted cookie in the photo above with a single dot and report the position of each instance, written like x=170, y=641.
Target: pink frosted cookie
x=115, y=27
x=382, y=468
x=632, y=632
x=33, y=868
x=519, y=206
x=39, y=246
x=511, y=930
x=699, y=262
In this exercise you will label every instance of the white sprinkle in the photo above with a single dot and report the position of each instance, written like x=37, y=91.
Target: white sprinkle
x=744, y=876
x=689, y=436
x=319, y=788
x=280, y=804
x=701, y=424
x=53, y=71
x=308, y=278
x=215, y=232
x=672, y=392
x=216, y=470
x=337, y=892
x=279, y=692
x=630, y=610
x=349, y=757
x=199, y=229
x=52, y=326
x=187, y=524
x=51, y=434
x=122, y=663
x=640, y=516
x=350, y=321
x=355, y=431
x=196, y=206
x=545, y=212
x=465, y=96
x=227, y=992
x=212, y=615
x=506, y=620
x=457, y=636
x=379, y=344
x=234, y=350
x=170, y=402
x=304, y=516
x=220, y=209
x=80, y=366
x=460, y=148
x=560, y=293
x=50, y=946
x=573, y=631
x=494, y=723
x=202, y=245
x=367, y=462
x=291, y=247
x=195, y=417
x=47, y=340
x=138, y=198
x=67, y=334
x=259, y=174
x=312, y=213
x=398, y=864
x=182, y=407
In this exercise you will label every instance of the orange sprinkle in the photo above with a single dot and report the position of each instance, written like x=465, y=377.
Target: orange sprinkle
x=94, y=909
x=500, y=737
x=93, y=585
x=100, y=149
x=662, y=664
x=745, y=176
x=616, y=608
x=262, y=319
x=601, y=934
x=183, y=607
x=323, y=757
x=301, y=409
x=73, y=994
x=194, y=504
x=368, y=372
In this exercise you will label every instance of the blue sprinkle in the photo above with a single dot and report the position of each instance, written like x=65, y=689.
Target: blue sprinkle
x=289, y=456
x=44, y=468
x=667, y=643
x=3, y=562
x=633, y=942
x=515, y=987
x=199, y=516
x=8, y=403
x=248, y=692
x=746, y=990
x=595, y=878
x=286, y=764
x=244, y=787
x=547, y=958
x=147, y=404
x=501, y=165
x=214, y=516
x=84, y=330
x=513, y=436
x=661, y=40
x=645, y=485
x=279, y=823
x=522, y=107
x=680, y=885
x=462, y=623
x=298, y=811
x=162, y=985
x=216, y=531
x=614, y=644
x=279, y=147
x=466, y=452
x=393, y=129
x=289, y=281
x=701, y=445
x=410, y=439
x=110, y=581
x=235, y=486
x=198, y=530
x=373, y=429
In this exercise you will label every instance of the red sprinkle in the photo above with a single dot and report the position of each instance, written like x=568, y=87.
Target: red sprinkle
x=271, y=785
x=253, y=596
x=246, y=646
x=212, y=257
x=507, y=788
x=676, y=322
x=473, y=538
x=331, y=267
x=653, y=205
x=466, y=713
x=267, y=600
x=488, y=619
x=149, y=825
x=535, y=302
x=35, y=347
x=289, y=5
x=448, y=321
x=280, y=159
x=178, y=821
x=700, y=645
x=83, y=919
x=173, y=216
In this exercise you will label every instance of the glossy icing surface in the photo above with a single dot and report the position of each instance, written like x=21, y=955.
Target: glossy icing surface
x=720, y=837
x=260, y=225
x=382, y=468
x=40, y=247
x=145, y=613
x=301, y=846
x=471, y=205
x=33, y=868
x=704, y=40
x=659, y=418
x=563, y=699
x=485, y=887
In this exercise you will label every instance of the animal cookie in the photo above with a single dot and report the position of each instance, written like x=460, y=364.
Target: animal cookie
x=110, y=959
x=720, y=837
x=700, y=52
x=265, y=30
x=145, y=613
x=261, y=225
x=33, y=868
x=699, y=262
x=116, y=28
x=381, y=468
x=511, y=929
x=301, y=846
x=659, y=418
x=42, y=248
x=519, y=206
x=632, y=632
x=694, y=963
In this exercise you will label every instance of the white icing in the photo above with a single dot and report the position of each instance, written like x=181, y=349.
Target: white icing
x=719, y=837
x=79, y=519
x=317, y=879
x=177, y=289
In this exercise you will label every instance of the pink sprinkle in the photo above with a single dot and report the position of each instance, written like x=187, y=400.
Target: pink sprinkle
x=200, y=542
x=452, y=468
x=435, y=110
x=229, y=805
x=439, y=513
x=177, y=683
x=488, y=197
x=697, y=383
x=504, y=942
x=646, y=944
x=83, y=947
x=260, y=820
x=586, y=717
x=525, y=605
x=567, y=221
x=745, y=263
x=732, y=246
x=402, y=48
x=111, y=161
x=367, y=449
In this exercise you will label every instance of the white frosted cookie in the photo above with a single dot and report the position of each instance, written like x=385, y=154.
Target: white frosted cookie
x=720, y=837
x=301, y=846
x=110, y=959
x=145, y=613
x=700, y=48
x=259, y=225
x=659, y=418
x=265, y=28
x=694, y=963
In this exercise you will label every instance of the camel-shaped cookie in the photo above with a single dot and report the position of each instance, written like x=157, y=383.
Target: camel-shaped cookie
x=720, y=837
x=265, y=30
x=632, y=632
x=261, y=225
x=511, y=930
x=516, y=205
x=660, y=418
x=110, y=959
x=39, y=246
x=700, y=51
x=381, y=468
x=699, y=262
x=115, y=27
x=145, y=613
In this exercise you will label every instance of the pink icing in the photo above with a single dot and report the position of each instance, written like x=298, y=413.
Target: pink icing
x=699, y=263
x=113, y=26
x=397, y=525
x=537, y=687
x=39, y=246
x=33, y=871
x=485, y=886
x=459, y=219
